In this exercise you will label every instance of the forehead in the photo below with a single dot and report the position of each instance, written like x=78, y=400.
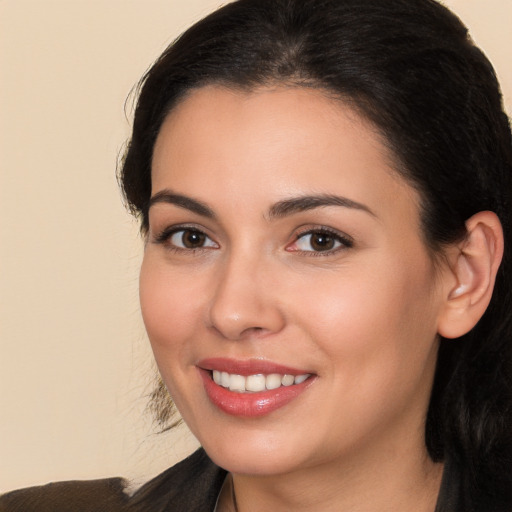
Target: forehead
x=273, y=142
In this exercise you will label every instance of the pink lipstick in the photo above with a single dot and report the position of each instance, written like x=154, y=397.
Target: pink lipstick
x=251, y=388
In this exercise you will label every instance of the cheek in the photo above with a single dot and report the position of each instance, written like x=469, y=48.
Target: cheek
x=171, y=313
x=378, y=335
x=170, y=305
x=377, y=319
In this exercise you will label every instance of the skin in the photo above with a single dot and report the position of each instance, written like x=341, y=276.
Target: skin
x=362, y=317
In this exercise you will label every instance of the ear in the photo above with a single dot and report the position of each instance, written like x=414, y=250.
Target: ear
x=473, y=267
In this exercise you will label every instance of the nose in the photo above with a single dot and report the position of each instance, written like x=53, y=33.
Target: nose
x=245, y=300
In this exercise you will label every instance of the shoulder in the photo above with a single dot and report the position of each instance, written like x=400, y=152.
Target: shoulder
x=190, y=486
x=76, y=496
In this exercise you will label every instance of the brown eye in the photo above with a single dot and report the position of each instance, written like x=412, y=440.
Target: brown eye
x=322, y=241
x=190, y=239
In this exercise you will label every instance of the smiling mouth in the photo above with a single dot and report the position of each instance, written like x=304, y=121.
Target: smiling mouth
x=256, y=383
x=251, y=389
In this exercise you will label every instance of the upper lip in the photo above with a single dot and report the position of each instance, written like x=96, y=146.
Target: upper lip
x=248, y=366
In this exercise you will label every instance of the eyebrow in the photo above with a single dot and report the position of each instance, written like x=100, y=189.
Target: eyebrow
x=168, y=197
x=310, y=202
x=280, y=209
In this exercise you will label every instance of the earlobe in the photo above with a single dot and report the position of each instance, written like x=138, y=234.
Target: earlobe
x=474, y=268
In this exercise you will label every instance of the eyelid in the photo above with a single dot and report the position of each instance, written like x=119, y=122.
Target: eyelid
x=345, y=241
x=164, y=236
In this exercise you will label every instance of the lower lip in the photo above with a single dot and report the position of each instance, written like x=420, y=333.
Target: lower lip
x=251, y=405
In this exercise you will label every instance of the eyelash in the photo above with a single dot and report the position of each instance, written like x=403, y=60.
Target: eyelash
x=164, y=238
x=345, y=242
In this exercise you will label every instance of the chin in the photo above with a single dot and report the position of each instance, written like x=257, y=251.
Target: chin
x=259, y=453
x=253, y=464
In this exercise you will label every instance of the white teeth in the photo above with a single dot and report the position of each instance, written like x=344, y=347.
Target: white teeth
x=288, y=380
x=300, y=379
x=236, y=383
x=256, y=383
x=273, y=381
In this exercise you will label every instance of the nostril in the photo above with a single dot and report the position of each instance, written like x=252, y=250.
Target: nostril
x=254, y=331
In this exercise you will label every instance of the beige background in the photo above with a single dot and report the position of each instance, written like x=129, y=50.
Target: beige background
x=74, y=361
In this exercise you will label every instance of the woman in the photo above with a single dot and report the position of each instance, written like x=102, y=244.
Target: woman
x=324, y=190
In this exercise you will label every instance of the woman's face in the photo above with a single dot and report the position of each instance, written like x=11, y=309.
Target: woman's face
x=283, y=247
